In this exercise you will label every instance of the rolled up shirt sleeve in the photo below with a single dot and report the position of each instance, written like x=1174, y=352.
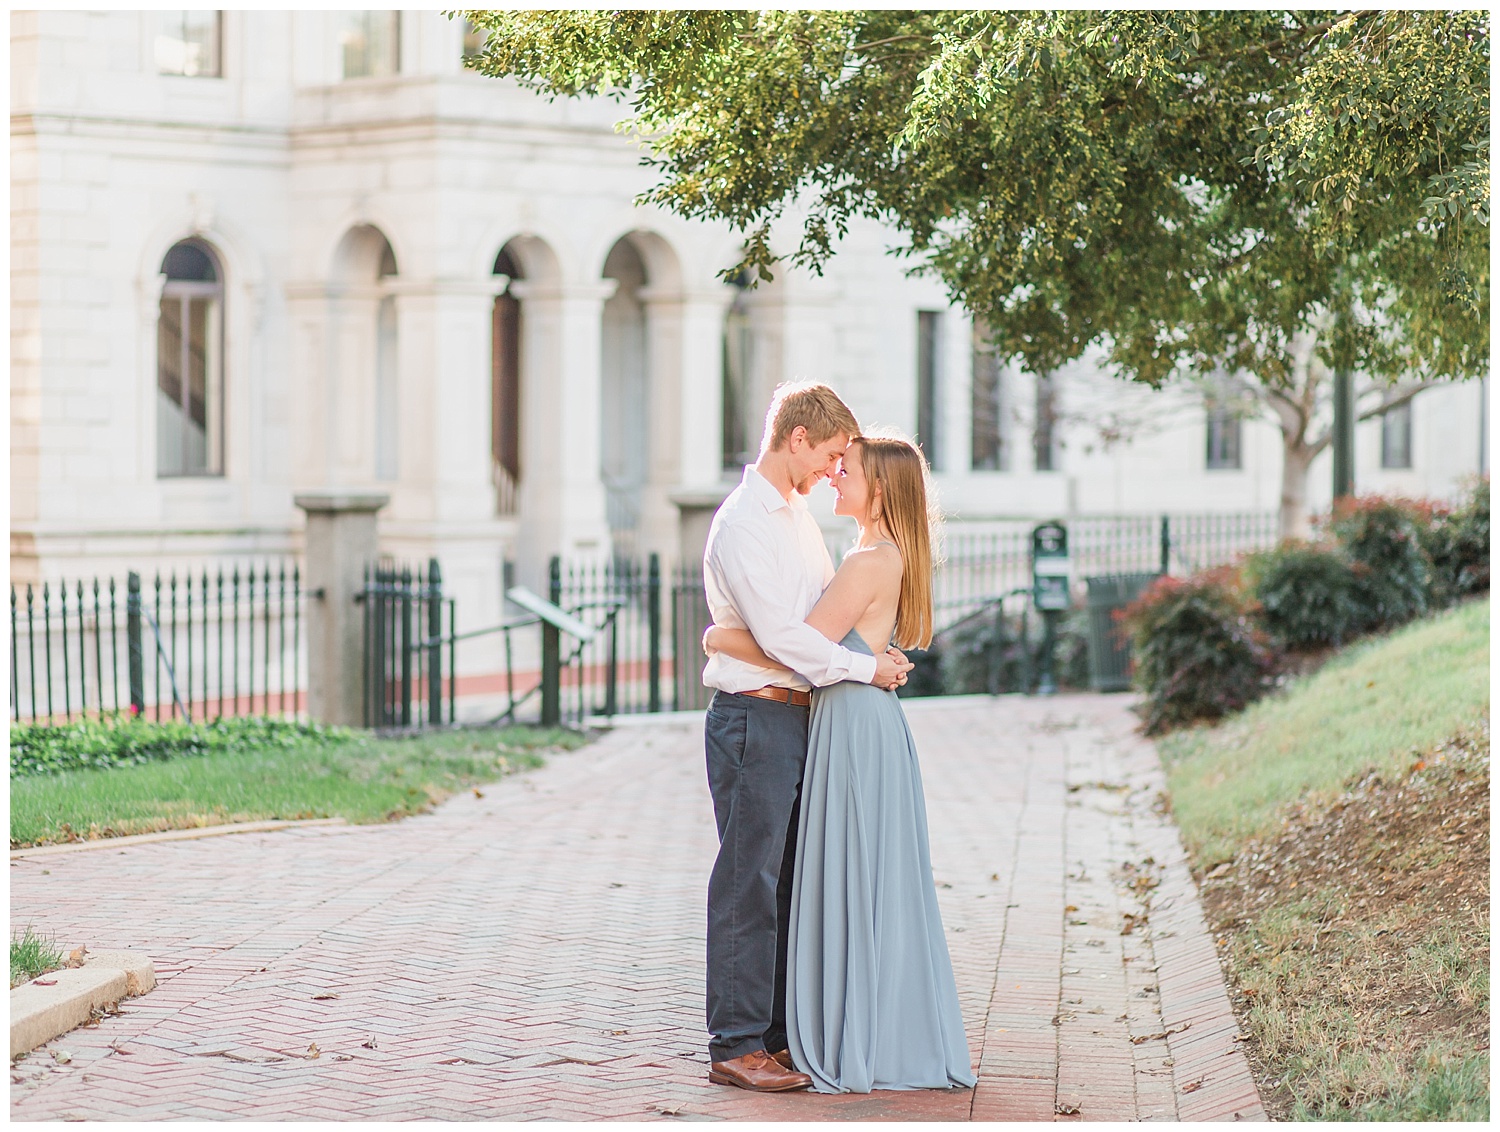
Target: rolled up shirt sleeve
x=749, y=570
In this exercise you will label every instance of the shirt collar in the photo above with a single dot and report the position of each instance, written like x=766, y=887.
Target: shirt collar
x=760, y=488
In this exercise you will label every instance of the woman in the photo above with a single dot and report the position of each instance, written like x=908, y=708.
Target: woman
x=871, y=1001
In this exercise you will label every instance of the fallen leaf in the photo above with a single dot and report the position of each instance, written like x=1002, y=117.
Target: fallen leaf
x=1139, y=1038
x=44, y=982
x=61, y=1056
x=1064, y=1109
x=324, y=997
x=75, y=957
x=1193, y=1086
x=121, y=1049
x=312, y=1052
x=478, y=793
x=1071, y=908
x=369, y=1044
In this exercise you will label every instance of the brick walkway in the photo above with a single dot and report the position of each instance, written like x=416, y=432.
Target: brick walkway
x=538, y=952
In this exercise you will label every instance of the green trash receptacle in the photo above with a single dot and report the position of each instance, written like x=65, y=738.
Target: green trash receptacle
x=1109, y=649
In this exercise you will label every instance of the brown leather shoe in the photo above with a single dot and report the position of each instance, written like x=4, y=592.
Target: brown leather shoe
x=759, y=1073
x=783, y=1058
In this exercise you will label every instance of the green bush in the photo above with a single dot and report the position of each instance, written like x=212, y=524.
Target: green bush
x=1458, y=546
x=1196, y=651
x=1383, y=539
x=130, y=741
x=1307, y=595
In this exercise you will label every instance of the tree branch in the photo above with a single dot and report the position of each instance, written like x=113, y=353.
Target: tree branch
x=1397, y=396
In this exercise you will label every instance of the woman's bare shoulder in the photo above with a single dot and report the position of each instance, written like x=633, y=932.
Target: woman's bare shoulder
x=879, y=560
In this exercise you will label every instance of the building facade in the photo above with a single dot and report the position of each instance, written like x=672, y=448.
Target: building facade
x=256, y=253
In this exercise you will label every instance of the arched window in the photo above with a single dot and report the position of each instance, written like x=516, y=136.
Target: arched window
x=736, y=374
x=387, y=392
x=624, y=373
x=190, y=364
x=505, y=387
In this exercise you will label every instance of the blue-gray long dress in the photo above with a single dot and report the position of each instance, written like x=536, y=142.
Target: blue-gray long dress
x=871, y=1001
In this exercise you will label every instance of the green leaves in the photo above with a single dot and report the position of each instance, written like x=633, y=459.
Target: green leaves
x=1036, y=161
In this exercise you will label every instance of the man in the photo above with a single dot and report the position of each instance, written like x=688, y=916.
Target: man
x=764, y=568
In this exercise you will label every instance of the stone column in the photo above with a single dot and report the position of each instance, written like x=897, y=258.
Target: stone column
x=340, y=543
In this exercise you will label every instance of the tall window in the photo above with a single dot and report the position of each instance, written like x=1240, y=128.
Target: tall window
x=1395, y=437
x=987, y=450
x=386, y=406
x=475, y=38
x=1044, y=427
x=387, y=372
x=371, y=43
x=735, y=375
x=505, y=387
x=187, y=43
x=190, y=364
x=1224, y=426
x=929, y=331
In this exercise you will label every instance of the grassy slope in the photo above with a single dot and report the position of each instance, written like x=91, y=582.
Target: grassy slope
x=1365, y=988
x=1367, y=709
x=365, y=780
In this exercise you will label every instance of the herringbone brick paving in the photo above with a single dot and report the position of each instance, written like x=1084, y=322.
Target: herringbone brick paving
x=538, y=952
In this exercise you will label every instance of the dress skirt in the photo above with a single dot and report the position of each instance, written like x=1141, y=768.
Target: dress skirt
x=871, y=1000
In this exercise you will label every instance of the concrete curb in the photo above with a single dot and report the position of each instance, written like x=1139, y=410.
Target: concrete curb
x=168, y=835
x=54, y=1003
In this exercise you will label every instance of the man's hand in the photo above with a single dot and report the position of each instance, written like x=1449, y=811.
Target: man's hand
x=891, y=668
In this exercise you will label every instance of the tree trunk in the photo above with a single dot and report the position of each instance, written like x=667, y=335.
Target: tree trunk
x=1296, y=459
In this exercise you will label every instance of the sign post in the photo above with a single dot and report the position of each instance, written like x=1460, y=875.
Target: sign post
x=1051, y=572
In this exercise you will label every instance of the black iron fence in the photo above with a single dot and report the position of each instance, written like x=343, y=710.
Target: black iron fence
x=632, y=665
x=404, y=645
x=193, y=647
x=981, y=565
x=200, y=646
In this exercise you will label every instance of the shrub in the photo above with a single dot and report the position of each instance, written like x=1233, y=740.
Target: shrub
x=1197, y=654
x=1458, y=546
x=129, y=741
x=1383, y=539
x=1307, y=595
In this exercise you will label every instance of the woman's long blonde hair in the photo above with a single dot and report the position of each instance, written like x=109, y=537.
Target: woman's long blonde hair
x=897, y=467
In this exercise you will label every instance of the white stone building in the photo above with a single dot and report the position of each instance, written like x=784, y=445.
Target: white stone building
x=255, y=253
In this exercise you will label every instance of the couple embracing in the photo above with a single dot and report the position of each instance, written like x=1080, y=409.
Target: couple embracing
x=827, y=965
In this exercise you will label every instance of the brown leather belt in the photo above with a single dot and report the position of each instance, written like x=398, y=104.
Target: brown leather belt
x=789, y=696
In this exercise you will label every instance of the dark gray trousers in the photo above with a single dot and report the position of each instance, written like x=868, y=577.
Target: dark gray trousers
x=756, y=750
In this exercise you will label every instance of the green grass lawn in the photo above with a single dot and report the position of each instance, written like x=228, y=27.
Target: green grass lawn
x=362, y=779
x=1345, y=825
x=1368, y=709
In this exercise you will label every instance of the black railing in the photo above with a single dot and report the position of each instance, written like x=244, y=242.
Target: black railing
x=620, y=669
x=404, y=646
x=981, y=564
x=195, y=647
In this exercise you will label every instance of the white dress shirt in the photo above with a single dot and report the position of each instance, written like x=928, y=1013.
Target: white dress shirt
x=764, y=568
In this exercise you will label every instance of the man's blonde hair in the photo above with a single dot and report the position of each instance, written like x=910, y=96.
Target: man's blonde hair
x=810, y=404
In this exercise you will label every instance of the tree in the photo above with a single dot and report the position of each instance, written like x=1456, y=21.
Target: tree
x=1267, y=195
